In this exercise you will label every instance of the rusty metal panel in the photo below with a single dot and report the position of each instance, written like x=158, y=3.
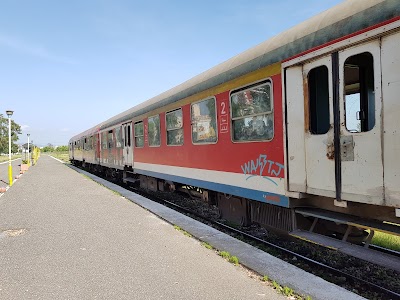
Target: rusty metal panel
x=391, y=134
x=347, y=148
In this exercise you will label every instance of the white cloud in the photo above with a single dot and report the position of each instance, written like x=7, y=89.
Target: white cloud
x=65, y=130
x=23, y=127
x=32, y=49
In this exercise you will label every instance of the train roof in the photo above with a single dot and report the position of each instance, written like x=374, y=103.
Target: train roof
x=344, y=19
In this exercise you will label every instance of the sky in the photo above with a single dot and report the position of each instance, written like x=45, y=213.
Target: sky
x=66, y=66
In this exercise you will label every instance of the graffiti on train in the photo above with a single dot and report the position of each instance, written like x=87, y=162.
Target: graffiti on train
x=256, y=167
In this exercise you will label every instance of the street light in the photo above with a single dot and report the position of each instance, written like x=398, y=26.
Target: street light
x=10, y=178
x=29, y=161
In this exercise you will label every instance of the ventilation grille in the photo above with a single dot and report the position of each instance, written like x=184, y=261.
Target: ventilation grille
x=273, y=216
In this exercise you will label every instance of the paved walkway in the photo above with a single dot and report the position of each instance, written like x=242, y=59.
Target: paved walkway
x=64, y=236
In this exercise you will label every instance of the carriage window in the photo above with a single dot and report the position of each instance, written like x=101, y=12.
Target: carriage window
x=118, y=137
x=129, y=135
x=110, y=139
x=318, y=91
x=104, y=140
x=252, y=114
x=154, y=131
x=359, y=92
x=204, y=122
x=139, y=140
x=174, y=127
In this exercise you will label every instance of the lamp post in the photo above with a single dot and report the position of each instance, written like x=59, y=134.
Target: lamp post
x=10, y=178
x=29, y=160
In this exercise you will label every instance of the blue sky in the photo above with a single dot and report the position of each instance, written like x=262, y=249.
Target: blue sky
x=65, y=66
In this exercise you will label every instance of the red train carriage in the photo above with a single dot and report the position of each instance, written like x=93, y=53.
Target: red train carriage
x=302, y=126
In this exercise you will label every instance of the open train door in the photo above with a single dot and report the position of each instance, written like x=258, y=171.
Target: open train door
x=127, y=153
x=333, y=125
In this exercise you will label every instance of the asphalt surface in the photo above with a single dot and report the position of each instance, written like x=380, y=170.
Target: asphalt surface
x=63, y=236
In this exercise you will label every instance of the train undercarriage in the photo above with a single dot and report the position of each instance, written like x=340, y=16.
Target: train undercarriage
x=356, y=223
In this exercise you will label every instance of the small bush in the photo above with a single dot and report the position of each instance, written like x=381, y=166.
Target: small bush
x=276, y=285
x=234, y=260
x=225, y=254
x=287, y=291
x=265, y=278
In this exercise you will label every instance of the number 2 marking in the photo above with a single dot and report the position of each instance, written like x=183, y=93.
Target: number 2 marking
x=223, y=112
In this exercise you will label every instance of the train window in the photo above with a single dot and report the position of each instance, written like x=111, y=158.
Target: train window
x=174, y=122
x=204, y=122
x=252, y=113
x=110, y=139
x=104, y=140
x=118, y=137
x=318, y=93
x=154, y=131
x=139, y=138
x=359, y=92
x=129, y=135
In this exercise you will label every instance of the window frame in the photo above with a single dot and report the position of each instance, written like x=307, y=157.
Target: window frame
x=166, y=127
x=110, y=143
x=364, y=100
x=247, y=87
x=192, y=121
x=137, y=136
x=159, y=130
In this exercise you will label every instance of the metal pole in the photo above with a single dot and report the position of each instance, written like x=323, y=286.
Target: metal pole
x=10, y=177
x=29, y=160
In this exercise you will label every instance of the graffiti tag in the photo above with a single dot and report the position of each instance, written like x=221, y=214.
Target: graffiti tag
x=257, y=166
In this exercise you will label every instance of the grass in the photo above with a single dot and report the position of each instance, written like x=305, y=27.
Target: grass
x=207, y=245
x=4, y=158
x=61, y=155
x=385, y=240
x=183, y=231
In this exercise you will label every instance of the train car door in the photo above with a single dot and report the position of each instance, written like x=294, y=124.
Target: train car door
x=127, y=152
x=333, y=107
x=360, y=123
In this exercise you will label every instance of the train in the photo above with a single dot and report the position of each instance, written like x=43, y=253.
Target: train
x=299, y=133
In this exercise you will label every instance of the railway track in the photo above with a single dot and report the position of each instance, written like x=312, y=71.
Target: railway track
x=364, y=287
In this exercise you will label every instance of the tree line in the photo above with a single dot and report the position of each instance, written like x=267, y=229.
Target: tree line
x=51, y=148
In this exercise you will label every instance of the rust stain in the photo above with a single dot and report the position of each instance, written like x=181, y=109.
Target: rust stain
x=330, y=151
x=273, y=198
x=306, y=105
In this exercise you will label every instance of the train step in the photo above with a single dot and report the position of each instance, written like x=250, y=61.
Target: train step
x=373, y=256
x=349, y=220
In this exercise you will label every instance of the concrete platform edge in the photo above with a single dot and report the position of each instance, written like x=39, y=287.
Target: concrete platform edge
x=263, y=263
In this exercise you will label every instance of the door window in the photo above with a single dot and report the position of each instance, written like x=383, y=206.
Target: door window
x=318, y=92
x=359, y=92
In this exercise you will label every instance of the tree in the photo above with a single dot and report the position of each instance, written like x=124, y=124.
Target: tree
x=15, y=130
x=62, y=148
x=48, y=148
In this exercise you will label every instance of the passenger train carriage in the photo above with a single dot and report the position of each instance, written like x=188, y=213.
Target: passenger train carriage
x=302, y=127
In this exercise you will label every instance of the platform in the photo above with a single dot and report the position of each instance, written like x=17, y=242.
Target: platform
x=63, y=236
